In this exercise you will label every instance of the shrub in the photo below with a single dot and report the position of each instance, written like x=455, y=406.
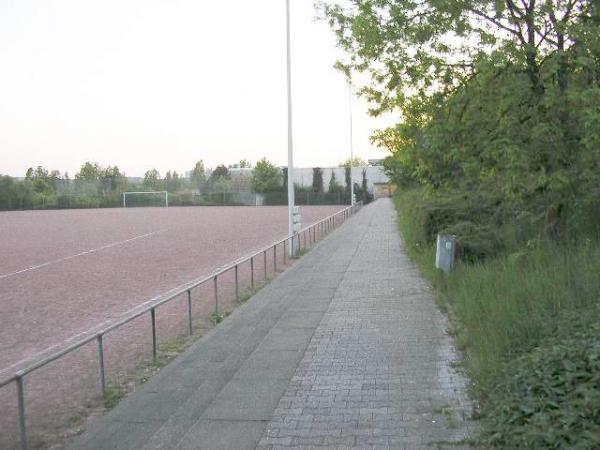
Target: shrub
x=550, y=397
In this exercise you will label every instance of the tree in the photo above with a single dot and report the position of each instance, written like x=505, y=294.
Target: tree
x=153, y=180
x=42, y=181
x=284, y=173
x=89, y=172
x=245, y=164
x=357, y=161
x=172, y=181
x=494, y=95
x=317, y=182
x=7, y=193
x=221, y=171
x=364, y=188
x=348, y=180
x=112, y=179
x=334, y=186
x=265, y=177
x=198, y=176
x=416, y=50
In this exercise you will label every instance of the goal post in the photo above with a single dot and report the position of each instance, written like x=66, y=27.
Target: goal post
x=148, y=195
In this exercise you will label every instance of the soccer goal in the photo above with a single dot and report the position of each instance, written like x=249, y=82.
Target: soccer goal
x=153, y=198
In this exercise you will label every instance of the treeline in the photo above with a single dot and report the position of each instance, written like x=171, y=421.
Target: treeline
x=95, y=186
x=499, y=145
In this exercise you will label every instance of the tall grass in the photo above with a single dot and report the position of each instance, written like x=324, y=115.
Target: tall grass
x=510, y=304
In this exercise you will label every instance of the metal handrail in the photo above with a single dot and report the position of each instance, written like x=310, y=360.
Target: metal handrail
x=325, y=226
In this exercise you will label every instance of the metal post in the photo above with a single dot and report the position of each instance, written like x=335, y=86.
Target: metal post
x=153, y=318
x=216, y=296
x=284, y=252
x=189, y=302
x=101, y=363
x=351, y=141
x=252, y=272
x=21, y=405
x=265, y=263
x=290, y=171
x=275, y=258
x=237, y=284
x=314, y=235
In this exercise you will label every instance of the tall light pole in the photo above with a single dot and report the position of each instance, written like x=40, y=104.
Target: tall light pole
x=290, y=170
x=351, y=141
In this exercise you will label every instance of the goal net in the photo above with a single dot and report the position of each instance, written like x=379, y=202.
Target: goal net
x=154, y=198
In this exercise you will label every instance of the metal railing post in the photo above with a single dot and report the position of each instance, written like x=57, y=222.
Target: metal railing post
x=237, y=284
x=216, y=295
x=252, y=272
x=153, y=319
x=284, y=252
x=275, y=258
x=101, y=363
x=189, y=305
x=265, y=263
x=21, y=406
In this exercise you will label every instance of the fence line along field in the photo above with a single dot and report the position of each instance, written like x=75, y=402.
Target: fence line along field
x=65, y=272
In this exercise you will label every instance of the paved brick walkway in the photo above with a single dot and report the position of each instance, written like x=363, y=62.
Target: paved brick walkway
x=344, y=350
x=377, y=371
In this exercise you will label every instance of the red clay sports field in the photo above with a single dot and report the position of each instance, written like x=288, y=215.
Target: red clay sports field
x=65, y=272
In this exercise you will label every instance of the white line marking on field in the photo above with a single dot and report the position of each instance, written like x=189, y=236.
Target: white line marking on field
x=87, y=252
x=88, y=332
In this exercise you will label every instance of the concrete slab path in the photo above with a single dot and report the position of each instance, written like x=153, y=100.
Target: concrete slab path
x=345, y=350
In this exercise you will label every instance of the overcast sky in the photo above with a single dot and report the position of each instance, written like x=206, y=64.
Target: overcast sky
x=163, y=83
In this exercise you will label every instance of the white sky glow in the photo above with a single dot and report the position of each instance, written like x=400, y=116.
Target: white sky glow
x=163, y=83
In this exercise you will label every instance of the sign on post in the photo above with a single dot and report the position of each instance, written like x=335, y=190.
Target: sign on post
x=297, y=224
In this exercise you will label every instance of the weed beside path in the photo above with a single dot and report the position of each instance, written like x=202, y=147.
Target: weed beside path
x=528, y=324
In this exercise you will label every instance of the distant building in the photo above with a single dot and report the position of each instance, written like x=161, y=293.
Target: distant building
x=374, y=174
x=383, y=190
x=303, y=176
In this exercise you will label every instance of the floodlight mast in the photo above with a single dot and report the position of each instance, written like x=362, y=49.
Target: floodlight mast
x=351, y=142
x=290, y=168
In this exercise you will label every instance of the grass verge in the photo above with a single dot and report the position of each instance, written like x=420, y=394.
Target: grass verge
x=528, y=324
